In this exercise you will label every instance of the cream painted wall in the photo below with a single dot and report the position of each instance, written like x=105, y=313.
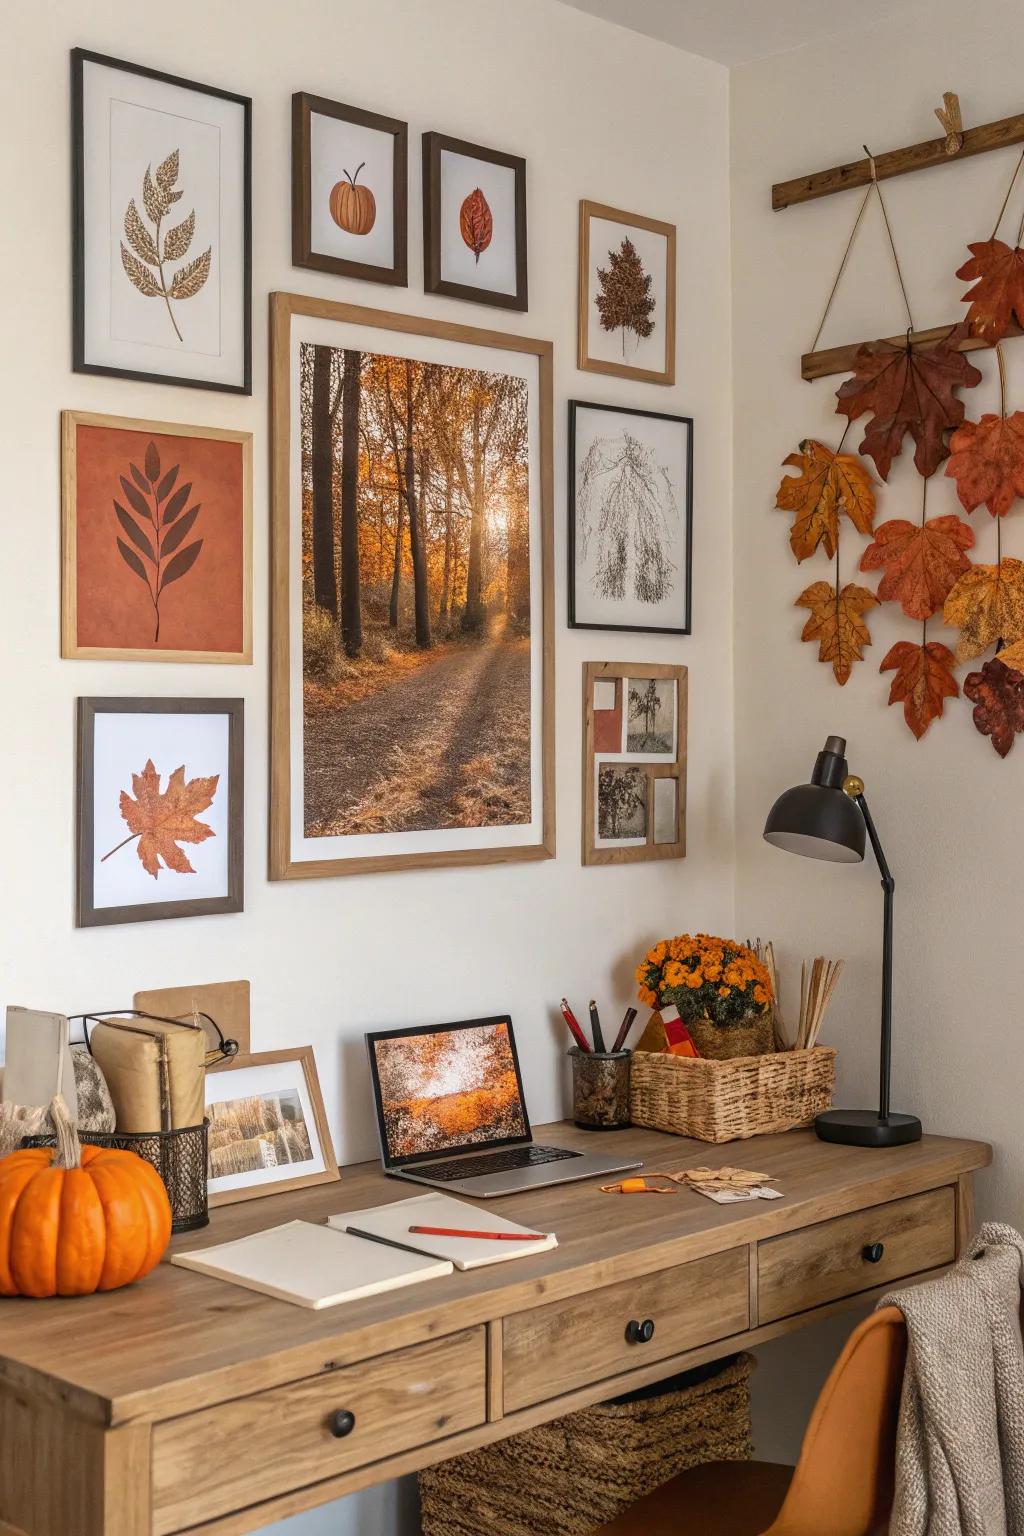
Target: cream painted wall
x=598, y=112
x=947, y=808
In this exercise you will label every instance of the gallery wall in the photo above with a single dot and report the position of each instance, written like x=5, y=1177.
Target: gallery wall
x=598, y=112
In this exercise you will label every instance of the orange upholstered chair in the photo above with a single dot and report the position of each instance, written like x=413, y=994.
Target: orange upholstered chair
x=843, y=1482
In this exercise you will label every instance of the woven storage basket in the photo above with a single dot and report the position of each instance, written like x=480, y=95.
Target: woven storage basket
x=730, y=1100
x=568, y=1477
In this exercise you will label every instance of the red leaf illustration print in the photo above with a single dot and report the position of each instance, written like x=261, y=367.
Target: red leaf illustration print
x=475, y=222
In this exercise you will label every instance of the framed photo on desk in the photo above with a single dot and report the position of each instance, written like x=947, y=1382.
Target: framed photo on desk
x=268, y=1126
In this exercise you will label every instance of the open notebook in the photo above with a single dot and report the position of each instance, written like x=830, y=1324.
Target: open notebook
x=391, y=1223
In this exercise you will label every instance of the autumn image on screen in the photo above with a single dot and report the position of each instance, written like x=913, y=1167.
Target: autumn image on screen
x=453, y=1088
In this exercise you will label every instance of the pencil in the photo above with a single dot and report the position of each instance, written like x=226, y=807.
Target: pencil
x=491, y=1237
x=624, y=1029
x=573, y=1025
x=595, y=1028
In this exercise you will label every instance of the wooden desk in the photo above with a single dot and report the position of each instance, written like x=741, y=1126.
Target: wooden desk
x=186, y=1404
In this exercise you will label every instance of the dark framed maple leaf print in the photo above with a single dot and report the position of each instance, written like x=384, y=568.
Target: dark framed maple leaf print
x=474, y=222
x=162, y=226
x=627, y=295
x=159, y=788
x=157, y=541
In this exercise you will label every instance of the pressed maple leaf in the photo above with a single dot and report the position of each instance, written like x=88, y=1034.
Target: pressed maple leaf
x=922, y=562
x=924, y=678
x=828, y=483
x=162, y=821
x=837, y=624
x=997, y=693
x=986, y=460
x=998, y=294
x=908, y=389
x=986, y=605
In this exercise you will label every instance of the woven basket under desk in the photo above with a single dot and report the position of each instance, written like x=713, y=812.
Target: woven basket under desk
x=730, y=1100
x=570, y=1476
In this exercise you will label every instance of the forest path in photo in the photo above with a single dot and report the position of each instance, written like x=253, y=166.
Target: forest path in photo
x=444, y=746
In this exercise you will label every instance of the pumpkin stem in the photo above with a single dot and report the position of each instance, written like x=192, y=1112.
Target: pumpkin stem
x=69, y=1148
x=353, y=179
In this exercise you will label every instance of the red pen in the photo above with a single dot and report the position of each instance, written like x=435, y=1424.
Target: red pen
x=492, y=1237
x=574, y=1026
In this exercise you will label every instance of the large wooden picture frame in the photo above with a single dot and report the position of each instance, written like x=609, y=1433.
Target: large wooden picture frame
x=273, y=1077
x=631, y=332
x=347, y=818
x=634, y=762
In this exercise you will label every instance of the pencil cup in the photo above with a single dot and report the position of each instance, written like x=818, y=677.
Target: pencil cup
x=600, y=1089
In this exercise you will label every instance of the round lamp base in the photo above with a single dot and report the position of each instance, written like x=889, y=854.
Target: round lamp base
x=864, y=1128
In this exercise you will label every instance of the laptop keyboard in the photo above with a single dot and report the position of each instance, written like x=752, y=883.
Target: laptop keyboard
x=496, y=1162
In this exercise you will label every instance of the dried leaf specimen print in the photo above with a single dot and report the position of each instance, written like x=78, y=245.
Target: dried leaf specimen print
x=157, y=526
x=353, y=206
x=147, y=261
x=922, y=562
x=624, y=302
x=161, y=821
x=476, y=223
x=987, y=462
x=997, y=693
x=627, y=507
x=837, y=623
x=924, y=680
x=828, y=483
x=987, y=605
x=997, y=297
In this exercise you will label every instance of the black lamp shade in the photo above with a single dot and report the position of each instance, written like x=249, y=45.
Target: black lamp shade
x=820, y=820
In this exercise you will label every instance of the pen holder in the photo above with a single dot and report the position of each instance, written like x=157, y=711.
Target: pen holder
x=600, y=1089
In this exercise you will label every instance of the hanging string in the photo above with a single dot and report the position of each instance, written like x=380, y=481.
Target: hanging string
x=1006, y=199
x=842, y=267
x=888, y=230
x=1002, y=379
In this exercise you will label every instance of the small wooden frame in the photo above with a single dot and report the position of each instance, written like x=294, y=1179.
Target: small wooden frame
x=652, y=769
x=434, y=145
x=302, y=1054
x=666, y=374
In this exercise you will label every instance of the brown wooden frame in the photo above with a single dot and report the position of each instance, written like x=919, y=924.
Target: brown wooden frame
x=70, y=421
x=305, y=1056
x=588, y=364
x=88, y=916
x=672, y=768
x=433, y=282
x=282, y=866
x=303, y=255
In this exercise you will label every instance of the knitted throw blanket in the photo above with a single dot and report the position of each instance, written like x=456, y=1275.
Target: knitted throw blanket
x=960, y=1447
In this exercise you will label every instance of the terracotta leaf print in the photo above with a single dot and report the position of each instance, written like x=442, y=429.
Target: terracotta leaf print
x=476, y=224
x=997, y=693
x=161, y=821
x=828, y=484
x=987, y=605
x=922, y=562
x=837, y=623
x=987, y=462
x=908, y=389
x=157, y=525
x=147, y=257
x=997, y=297
x=624, y=301
x=924, y=680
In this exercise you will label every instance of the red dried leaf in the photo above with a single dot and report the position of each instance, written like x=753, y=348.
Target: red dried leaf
x=924, y=678
x=837, y=624
x=998, y=294
x=987, y=462
x=475, y=222
x=997, y=693
x=922, y=562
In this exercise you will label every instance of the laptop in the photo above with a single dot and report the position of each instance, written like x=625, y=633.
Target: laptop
x=451, y=1113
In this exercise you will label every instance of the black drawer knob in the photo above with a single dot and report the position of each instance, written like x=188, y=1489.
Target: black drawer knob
x=640, y=1333
x=873, y=1252
x=341, y=1423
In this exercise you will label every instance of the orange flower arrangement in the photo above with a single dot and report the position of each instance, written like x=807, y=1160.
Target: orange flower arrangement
x=704, y=977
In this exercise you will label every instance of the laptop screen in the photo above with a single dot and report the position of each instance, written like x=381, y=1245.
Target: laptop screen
x=447, y=1088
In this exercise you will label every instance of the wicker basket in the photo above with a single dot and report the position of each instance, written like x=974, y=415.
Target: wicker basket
x=570, y=1476
x=731, y=1100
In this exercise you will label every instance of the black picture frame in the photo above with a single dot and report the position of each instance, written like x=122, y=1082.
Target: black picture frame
x=433, y=146
x=304, y=105
x=80, y=57
x=87, y=915
x=626, y=410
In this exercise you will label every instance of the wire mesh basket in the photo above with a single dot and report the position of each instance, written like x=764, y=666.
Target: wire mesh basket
x=179, y=1157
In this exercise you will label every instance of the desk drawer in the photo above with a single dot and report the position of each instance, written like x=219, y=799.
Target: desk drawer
x=839, y=1258
x=552, y=1349
x=238, y=1453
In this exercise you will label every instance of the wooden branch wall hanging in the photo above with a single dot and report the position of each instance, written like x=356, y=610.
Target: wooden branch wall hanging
x=906, y=390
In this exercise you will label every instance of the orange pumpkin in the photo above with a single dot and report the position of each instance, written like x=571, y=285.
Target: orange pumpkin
x=353, y=208
x=75, y=1219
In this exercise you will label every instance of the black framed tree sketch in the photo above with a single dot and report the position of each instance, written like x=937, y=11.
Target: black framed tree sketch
x=162, y=239
x=630, y=519
x=474, y=222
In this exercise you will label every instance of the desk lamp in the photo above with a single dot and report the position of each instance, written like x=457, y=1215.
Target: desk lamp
x=827, y=819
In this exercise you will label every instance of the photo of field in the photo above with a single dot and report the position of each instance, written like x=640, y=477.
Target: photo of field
x=439, y=1090
x=265, y=1130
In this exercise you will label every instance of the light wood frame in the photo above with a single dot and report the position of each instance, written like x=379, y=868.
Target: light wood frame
x=588, y=364
x=671, y=768
x=70, y=421
x=330, y=1174
x=282, y=866
x=434, y=144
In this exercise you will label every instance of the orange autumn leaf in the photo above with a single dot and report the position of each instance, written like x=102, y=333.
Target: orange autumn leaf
x=986, y=605
x=987, y=462
x=837, y=624
x=922, y=562
x=162, y=821
x=924, y=678
x=998, y=294
x=475, y=222
x=828, y=483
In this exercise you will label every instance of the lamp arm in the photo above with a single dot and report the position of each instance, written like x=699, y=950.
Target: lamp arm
x=888, y=887
x=888, y=883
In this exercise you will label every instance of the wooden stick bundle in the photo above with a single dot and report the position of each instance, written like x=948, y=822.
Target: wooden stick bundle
x=816, y=989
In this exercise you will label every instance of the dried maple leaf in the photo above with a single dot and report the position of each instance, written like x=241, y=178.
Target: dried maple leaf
x=998, y=294
x=836, y=624
x=924, y=677
x=908, y=388
x=828, y=483
x=162, y=821
x=475, y=222
x=922, y=562
x=1013, y=656
x=997, y=693
x=987, y=462
x=986, y=605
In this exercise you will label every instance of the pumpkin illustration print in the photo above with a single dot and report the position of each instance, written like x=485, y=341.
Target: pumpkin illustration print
x=353, y=205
